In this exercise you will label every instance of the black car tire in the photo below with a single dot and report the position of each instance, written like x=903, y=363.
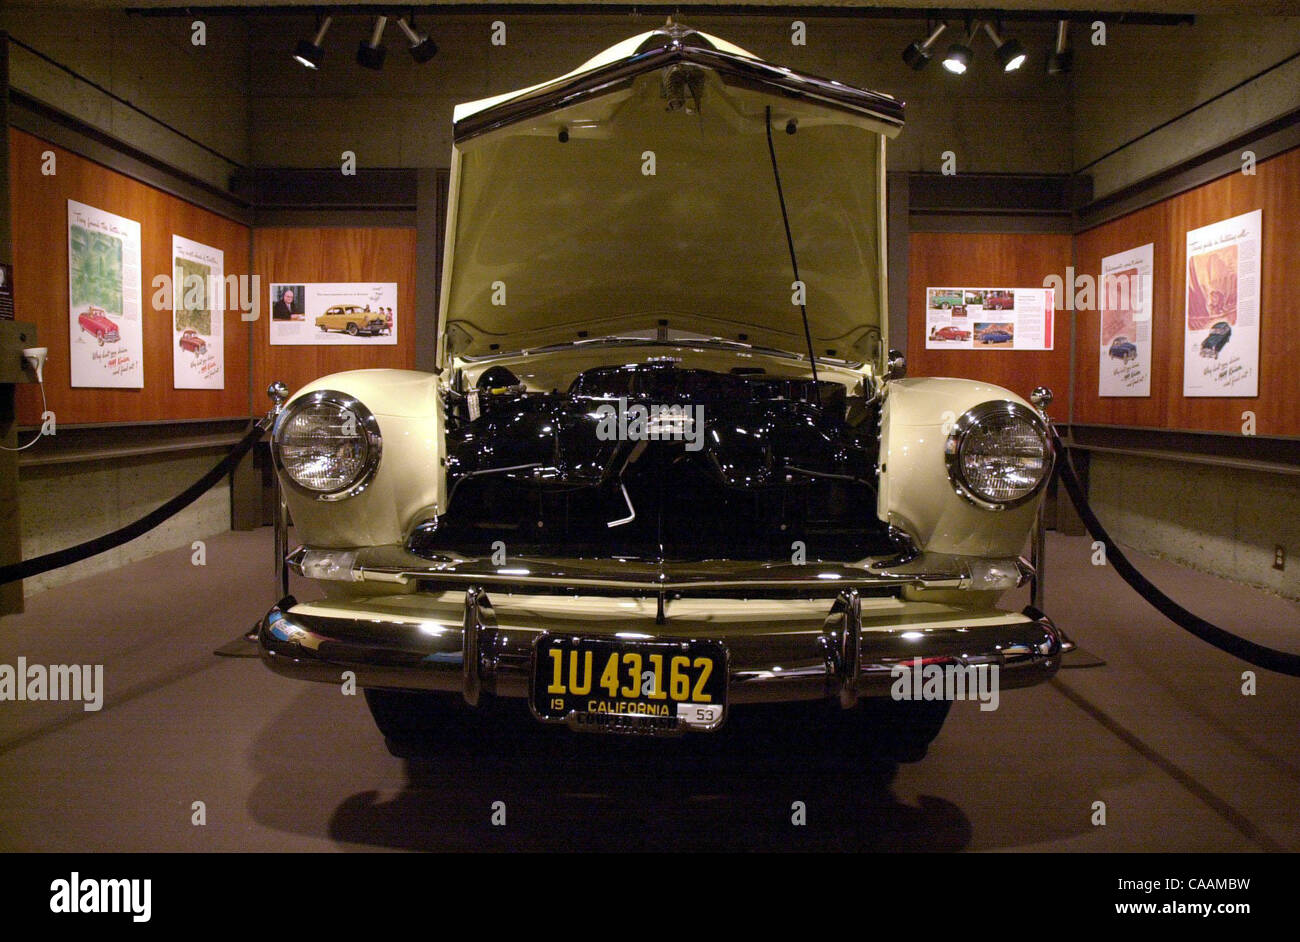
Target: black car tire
x=352, y=330
x=417, y=724
x=901, y=730
x=400, y=713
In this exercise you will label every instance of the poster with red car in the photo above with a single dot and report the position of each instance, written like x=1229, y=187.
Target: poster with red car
x=1221, y=332
x=106, y=347
x=198, y=310
x=989, y=318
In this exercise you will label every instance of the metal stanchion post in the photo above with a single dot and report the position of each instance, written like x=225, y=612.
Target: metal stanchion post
x=278, y=392
x=1041, y=397
x=1038, y=558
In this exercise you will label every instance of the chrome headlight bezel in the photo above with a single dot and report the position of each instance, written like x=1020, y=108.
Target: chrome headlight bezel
x=971, y=420
x=367, y=431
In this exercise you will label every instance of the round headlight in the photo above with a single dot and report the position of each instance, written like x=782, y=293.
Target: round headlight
x=998, y=455
x=327, y=444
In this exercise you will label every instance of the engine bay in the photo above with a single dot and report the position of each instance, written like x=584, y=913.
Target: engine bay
x=652, y=460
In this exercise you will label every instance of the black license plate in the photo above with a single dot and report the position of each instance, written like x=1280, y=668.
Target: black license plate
x=617, y=685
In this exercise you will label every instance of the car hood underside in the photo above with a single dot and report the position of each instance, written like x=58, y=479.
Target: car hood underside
x=638, y=192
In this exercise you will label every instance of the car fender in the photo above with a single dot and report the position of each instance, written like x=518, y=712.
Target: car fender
x=410, y=482
x=916, y=494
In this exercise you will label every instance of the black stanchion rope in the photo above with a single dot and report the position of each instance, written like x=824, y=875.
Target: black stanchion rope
x=1283, y=662
x=73, y=554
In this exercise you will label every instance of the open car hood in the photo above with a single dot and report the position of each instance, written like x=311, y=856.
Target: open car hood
x=559, y=231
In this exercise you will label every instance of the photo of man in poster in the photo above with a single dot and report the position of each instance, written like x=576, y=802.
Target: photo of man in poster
x=288, y=304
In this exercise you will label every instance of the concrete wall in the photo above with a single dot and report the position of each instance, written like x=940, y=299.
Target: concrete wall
x=66, y=504
x=401, y=117
x=1217, y=520
x=150, y=62
x=1145, y=76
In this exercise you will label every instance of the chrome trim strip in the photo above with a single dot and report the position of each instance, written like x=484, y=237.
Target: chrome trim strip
x=677, y=343
x=395, y=564
x=680, y=46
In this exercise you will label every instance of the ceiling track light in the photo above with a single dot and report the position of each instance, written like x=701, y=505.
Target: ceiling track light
x=959, y=56
x=918, y=54
x=312, y=53
x=422, y=47
x=1010, y=54
x=1062, y=58
x=371, y=52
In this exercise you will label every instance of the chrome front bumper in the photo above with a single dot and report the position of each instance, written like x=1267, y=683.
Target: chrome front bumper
x=790, y=650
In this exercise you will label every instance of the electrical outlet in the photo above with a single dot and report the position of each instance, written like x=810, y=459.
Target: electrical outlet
x=1279, y=557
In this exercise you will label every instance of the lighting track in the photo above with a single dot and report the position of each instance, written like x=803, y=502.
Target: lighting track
x=659, y=10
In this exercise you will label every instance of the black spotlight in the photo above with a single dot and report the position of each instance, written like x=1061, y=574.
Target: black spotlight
x=422, y=47
x=918, y=54
x=957, y=61
x=371, y=53
x=1011, y=55
x=312, y=53
x=1062, y=58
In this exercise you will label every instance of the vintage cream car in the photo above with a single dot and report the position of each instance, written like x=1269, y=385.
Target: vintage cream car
x=668, y=477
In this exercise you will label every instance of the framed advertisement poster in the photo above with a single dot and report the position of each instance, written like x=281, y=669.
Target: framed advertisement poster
x=106, y=347
x=1221, y=326
x=334, y=313
x=989, y=318
x=198, y=310
x=1127, y=295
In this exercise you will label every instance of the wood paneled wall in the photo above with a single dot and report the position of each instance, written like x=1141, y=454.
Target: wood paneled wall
x=988, y=260
x=1275, y=189
x=39, y=207
x=298, y=256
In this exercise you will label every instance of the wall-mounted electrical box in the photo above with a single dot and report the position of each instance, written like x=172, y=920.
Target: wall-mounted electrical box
x=15, y=336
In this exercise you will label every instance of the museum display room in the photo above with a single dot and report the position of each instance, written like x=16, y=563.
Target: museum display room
x=668, y=427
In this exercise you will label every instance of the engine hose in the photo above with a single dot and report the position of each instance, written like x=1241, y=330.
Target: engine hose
x=73, y=554
x=1270, y=659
